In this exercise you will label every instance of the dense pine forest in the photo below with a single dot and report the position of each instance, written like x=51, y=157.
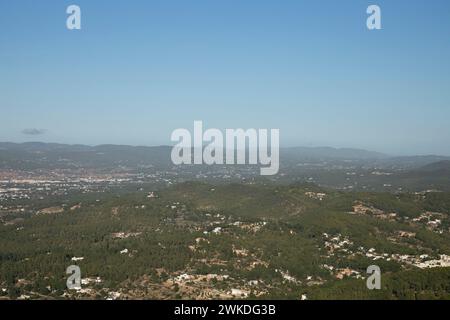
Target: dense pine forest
x=203, y=241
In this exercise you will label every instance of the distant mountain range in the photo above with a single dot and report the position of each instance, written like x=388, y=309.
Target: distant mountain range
x=331, y=153
x=37, y=154
x=440, y=166
x=33, y=155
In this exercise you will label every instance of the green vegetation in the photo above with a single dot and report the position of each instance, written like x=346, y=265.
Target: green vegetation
x=267, y=240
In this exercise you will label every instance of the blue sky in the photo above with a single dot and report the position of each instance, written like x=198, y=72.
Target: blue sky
x=140, y=69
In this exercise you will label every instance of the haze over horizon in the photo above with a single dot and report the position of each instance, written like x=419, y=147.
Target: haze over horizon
x=169, y=145
x=137, y=71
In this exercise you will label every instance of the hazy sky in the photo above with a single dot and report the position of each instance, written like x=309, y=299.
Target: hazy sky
x=140, y=69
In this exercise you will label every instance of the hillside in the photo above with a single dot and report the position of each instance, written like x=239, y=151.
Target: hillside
x=437, y=167
x=201, y=241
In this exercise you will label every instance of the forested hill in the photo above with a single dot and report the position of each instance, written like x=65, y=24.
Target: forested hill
x=203, y=241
